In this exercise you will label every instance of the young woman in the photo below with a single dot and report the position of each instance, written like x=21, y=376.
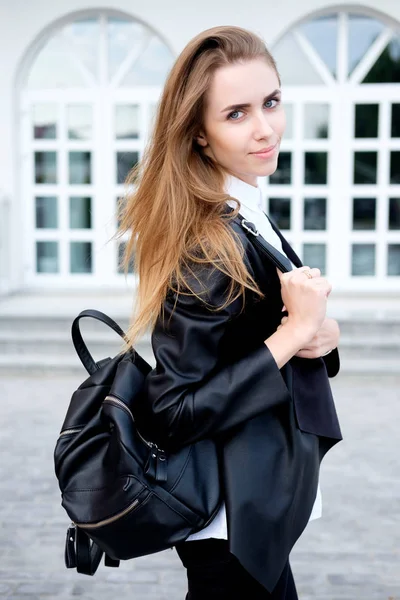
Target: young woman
x=228, y=366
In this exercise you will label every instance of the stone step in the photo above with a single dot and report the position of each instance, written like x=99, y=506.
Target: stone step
x=45, y=364
x=367, y=347
x=102, y=344
x=361, y=346
x=370, y=328
x=35, y=332
x=61, y=325
x=60, y=343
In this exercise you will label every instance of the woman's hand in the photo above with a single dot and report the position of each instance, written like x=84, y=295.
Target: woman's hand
x=304, y=294
x=326, y=338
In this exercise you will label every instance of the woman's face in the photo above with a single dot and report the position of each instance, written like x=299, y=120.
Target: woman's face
x=244, y=119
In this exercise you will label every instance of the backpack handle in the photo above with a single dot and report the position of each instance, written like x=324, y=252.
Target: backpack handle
x=80, y=346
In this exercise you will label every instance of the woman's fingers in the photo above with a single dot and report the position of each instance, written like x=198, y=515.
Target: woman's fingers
x=305, y=353
x=304, y=293
x=315, y=272
x=311, y=273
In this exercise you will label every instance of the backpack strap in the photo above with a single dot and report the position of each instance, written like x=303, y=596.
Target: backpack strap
x=81, y=553
x=84, y=555
x=86, y=358
x=268, y=250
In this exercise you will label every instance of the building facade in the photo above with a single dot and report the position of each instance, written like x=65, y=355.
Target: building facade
x=79, y=85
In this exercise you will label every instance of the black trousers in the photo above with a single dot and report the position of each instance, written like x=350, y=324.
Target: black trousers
x=215, y=574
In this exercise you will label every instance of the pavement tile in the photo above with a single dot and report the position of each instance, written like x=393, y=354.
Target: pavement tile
x=353, y=552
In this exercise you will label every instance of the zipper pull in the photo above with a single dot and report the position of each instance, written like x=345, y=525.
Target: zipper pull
x=70, y=553
x=150, y=469
x=162, y=466
x=156, y=465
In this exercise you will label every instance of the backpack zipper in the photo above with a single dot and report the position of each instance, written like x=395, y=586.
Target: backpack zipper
x=117, y=402
x=68, y=431
x=109, y=520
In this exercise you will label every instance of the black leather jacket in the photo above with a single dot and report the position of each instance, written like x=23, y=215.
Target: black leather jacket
x=215, y=377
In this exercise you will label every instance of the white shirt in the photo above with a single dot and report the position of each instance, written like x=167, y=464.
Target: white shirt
x=250, y=199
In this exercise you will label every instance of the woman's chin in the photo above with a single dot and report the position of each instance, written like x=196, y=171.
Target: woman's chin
x=267, y=170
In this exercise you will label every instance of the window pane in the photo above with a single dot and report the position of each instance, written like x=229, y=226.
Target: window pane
x=363, y=31
x=315, y=214
x=316, y=121
x=314, y=255
x=283, y=174
x=364, y=213
x=80, y=122
x=81, y=257
x=85, y=34
x=394, y=260
x=80, y=212
x=127, y=122
x=152, y=66
x=316, y=167
x=55, y=67
x=279, y=211
x=152, y=116
x=363, y=260
x=395, y=167
x=366, y=122
x=121, y=252
x=365, y=167
x=123, y=36
x=45, y=167
x=322, y=33
x=46, y=212
x=44, y=121
x=294, y=66
x=387, y=67
x=120, y=203
x=125, y=162
x=80, y=167
x=289, y=121
x=395, y=120
x=394, y=213
x=47, y=257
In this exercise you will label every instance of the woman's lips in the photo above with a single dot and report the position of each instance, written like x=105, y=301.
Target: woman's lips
x=265, y=152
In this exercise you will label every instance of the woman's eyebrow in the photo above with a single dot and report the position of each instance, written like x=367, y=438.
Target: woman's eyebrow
x=247, y=105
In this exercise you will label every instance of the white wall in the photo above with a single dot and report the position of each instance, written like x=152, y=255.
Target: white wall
x=23, y=24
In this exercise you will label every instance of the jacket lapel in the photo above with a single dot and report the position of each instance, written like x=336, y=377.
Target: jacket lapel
x=288, y=250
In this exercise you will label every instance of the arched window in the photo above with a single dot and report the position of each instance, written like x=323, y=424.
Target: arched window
x=88, y=100
x=337, y=187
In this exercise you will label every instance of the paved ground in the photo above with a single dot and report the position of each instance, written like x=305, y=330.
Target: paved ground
x=353, y=552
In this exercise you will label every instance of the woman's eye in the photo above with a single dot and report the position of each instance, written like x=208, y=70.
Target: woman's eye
x=235, y=115
x=268, y=102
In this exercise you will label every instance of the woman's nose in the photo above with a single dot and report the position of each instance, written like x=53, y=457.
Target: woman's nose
x=262, y=127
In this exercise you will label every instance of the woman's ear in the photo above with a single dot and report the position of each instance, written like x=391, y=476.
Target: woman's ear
x=201, y=139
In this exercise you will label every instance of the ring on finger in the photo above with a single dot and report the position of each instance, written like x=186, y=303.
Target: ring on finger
x=308, y=273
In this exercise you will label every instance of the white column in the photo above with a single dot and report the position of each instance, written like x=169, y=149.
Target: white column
x=5, y=224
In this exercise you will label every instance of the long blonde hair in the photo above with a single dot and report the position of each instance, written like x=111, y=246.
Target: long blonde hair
x=174, y=213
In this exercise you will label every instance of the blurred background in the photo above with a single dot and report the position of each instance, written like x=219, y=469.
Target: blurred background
x=79, y=84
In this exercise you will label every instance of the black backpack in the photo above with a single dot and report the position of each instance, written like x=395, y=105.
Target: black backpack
x=126, y=497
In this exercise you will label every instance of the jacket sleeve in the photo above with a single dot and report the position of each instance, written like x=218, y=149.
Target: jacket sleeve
x=332, y=362
x=189, y=394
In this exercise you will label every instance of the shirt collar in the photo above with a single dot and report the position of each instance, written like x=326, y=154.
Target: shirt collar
x=247, y=194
